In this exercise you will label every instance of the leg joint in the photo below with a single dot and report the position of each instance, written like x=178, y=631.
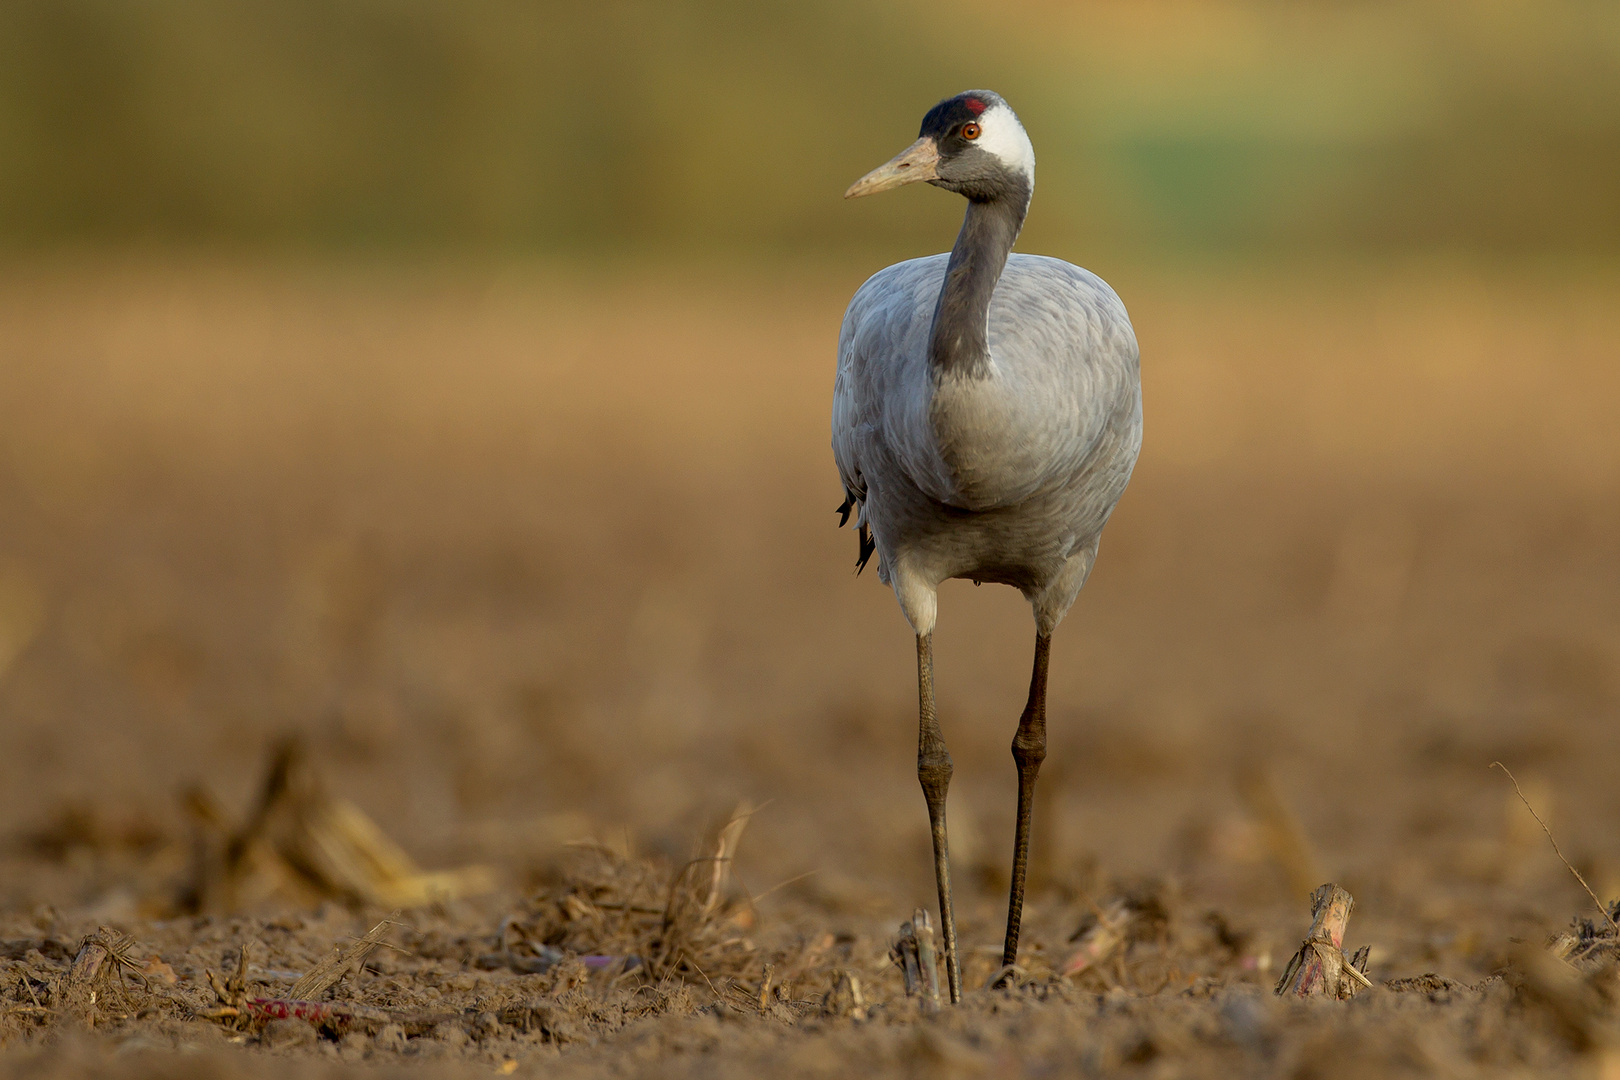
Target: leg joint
x=934, y=770
x=1029, y=750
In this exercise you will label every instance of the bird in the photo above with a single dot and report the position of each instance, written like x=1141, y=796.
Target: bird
x=986, y=417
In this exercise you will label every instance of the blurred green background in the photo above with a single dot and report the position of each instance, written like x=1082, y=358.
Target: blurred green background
x=685, y=127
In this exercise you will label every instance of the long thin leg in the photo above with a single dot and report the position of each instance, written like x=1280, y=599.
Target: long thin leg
x=1028, y=750
x=934, y=771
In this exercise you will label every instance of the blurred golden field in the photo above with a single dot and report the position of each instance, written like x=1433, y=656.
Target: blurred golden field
x=527, y=545
x=448, y=385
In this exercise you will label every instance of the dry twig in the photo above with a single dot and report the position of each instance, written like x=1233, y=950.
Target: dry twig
x=325, y=974
x=90, y=973
x=725, y=850
x=845, y=998
x=232, y=992
x=1567, y=865
x=916, y=957
x=301, y=840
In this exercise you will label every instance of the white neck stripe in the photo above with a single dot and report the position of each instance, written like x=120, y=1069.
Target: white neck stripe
x=1003, y=136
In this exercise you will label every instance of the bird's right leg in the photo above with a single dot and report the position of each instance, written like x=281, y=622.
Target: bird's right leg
x=934, y=771
x=1028, y=750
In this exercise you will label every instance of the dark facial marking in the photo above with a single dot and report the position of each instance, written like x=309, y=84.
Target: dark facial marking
x=947, y=118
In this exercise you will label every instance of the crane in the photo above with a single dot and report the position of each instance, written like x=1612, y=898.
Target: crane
x=987, y=413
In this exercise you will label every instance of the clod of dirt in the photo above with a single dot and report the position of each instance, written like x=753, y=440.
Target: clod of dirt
x=1100, y=939
x=552, y=1023
x=158, y=971
x=451, y=1034
x=287, y=1034
x=1576, y=1004
x=1247, y=1021
x=1437, y=988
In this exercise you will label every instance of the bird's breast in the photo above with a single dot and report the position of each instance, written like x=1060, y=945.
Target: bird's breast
x=1061, y=379
x=997, y=443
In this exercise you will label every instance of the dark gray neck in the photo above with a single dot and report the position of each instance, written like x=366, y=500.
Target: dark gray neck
x=959, y=343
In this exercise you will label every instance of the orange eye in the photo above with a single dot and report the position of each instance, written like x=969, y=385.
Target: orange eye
x=970, y=131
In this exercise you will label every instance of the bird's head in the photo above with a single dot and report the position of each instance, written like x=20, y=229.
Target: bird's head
x=971, y=144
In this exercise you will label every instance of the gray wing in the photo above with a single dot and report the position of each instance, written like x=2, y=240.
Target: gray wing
x=1061, y=342
x=882, y=336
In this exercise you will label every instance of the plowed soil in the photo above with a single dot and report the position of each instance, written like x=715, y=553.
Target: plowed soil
x=542, y=567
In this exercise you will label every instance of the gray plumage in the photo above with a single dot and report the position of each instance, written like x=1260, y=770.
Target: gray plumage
x=1007, y=474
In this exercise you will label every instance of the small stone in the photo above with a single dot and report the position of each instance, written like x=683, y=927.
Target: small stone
x=160, y=971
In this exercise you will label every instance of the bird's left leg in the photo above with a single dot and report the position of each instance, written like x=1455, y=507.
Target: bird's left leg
x=1029, y=750
x=934, y=772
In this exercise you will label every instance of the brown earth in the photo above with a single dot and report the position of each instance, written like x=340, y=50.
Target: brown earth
x=543, y=566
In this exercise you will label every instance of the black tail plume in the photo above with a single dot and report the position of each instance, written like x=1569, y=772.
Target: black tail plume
x=868, y=545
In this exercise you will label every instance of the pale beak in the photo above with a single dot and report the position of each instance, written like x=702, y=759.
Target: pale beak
x=916, y=162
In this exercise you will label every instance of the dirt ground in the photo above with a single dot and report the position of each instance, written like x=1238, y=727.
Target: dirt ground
x=541, y=567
